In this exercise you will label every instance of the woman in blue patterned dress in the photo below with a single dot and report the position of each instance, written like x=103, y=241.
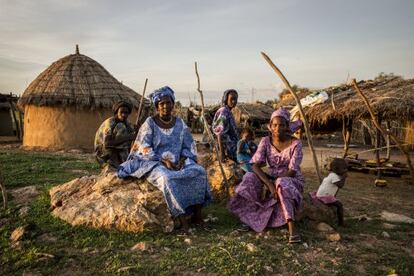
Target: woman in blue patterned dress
x=165, y=153
x=225, y=128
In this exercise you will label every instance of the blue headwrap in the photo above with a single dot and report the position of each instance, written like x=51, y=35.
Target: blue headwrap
x=226, y=95
x=161, y=92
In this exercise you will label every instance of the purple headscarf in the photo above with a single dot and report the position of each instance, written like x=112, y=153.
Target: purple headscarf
x=285, y=114
x=161, y=92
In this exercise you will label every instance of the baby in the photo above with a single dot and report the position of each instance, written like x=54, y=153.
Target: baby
x=245, y=149
x=331, y=184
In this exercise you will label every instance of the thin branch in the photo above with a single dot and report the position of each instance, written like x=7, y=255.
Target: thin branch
x=207, y=129
x=305, y=121
x=141, y=103
x=3, y=191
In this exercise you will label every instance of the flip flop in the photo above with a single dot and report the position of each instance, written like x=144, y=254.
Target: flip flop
x=294, y=239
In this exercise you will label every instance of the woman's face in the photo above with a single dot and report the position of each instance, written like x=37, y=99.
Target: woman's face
x=165, y=106
x=122, y=113
x=232, y=99
x=278, y=127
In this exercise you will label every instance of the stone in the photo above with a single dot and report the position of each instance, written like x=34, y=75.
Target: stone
x=389, y=226
x=17, y=234
x=188, y=241
x=108, y=202
x=141, y=246
x=251, y=247
x=397, y=218
x=385, y=235
x=333, y=237
x=24, y=195
x=315, y=210
x=268, y=268
x=47, y=238
x=24, y=211
x=323, y=227
x=233, y=174
x=125, y=269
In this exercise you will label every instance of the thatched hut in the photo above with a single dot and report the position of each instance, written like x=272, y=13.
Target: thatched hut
x=67, y=102
x=391, y=97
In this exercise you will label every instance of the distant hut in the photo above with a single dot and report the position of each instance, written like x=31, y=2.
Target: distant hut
x=67, y=102
x=391, y=97
x=10, y=117
x=6, y=123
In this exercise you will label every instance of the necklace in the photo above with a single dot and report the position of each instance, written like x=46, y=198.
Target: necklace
x=166, y=122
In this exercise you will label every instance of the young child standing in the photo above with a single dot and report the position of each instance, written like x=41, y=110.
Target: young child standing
x=330, y=186
x=245, y=149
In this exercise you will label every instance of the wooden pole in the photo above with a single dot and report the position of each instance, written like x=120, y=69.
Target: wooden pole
x=3, y=191
x=305, y=121
x=16, y=123
x=210, y=135
x=377, y=148
x=378, y=126
x=141, y=103
x=348, y=135
x=387, y=140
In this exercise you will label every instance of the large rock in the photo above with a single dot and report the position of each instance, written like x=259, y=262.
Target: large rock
x=316, y=211
x=105, y=201
x=233, y=174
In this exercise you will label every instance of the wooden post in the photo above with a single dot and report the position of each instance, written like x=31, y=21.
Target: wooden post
x=378, y=126
x=16, y=123
x=210, y=135
x=3, y=191
x=387, y=140
x=141, y=103
x=377, y=148
x=348, y=135
x=305, y=121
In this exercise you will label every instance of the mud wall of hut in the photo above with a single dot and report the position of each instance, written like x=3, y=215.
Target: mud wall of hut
x=364, y=132
x=62, y=128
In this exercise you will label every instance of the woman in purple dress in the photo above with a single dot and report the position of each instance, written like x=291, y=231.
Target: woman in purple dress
x=283, y=155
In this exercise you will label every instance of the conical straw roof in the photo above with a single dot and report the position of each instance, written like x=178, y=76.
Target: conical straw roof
x=80, y=81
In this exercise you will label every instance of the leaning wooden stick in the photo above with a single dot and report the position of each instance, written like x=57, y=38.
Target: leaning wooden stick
x=207, y=129
x=302, y=113
x=141, y=104
x=3, y=191
x=384, y=132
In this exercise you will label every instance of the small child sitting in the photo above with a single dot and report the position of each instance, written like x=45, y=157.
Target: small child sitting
x=330, y=185
x=245, y=149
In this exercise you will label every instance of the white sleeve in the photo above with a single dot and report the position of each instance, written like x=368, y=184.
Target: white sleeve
x=333, y=177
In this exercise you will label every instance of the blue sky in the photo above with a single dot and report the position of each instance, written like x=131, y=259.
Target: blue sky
x=315, y=43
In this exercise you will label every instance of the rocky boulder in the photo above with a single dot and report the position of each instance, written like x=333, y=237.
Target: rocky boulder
x=233, y=174
x=105, y=201
x=315, y=210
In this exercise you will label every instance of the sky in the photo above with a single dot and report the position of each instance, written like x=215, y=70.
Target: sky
x=316, y=43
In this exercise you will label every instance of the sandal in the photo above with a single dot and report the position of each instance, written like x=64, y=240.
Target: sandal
x=294, y=239
x=243, y=228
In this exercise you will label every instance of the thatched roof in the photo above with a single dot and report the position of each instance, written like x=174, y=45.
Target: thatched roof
x=391, y=97
x=80, y=81
x=254, y=112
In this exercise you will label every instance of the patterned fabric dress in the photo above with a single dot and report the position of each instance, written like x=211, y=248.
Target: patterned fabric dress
x=245, y=151
x=247, y=203
x=116, y=129
x=181, y=189
x=225, y=126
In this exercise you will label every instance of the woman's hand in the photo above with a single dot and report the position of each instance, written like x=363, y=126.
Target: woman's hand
x=169, y=165
x=272, y=189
